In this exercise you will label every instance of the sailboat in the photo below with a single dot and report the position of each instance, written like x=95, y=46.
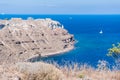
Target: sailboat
x=101, y=32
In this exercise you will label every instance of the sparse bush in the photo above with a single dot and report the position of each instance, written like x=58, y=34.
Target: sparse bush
x=39, y=71
x=115, y=53
x=30, y=71
x=103, y=65
x=81, y=76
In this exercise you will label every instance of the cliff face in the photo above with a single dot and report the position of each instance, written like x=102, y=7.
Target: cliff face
x=22, y=39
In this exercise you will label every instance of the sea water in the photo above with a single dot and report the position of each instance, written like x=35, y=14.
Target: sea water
x=91, y=46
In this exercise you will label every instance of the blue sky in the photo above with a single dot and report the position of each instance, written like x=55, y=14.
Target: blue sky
x=60, y=6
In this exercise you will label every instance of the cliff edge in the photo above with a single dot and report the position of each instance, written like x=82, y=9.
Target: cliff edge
x=24, y=39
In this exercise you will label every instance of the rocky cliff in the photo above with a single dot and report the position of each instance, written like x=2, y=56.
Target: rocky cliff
x=23, y=39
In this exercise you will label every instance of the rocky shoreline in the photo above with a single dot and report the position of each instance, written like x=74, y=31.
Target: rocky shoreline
x=21, y=39
x=35, y=57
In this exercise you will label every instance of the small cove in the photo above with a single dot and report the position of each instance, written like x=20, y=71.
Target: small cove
x=89, y=49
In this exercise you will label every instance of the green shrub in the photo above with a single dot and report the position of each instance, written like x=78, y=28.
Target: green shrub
x=114, y=51
x=81, y=76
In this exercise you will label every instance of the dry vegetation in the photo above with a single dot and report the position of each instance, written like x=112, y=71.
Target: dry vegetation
x=86, y=72
x=30, y=71
x=44, y=71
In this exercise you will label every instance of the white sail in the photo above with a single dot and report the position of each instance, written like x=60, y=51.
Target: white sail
x=101, y=32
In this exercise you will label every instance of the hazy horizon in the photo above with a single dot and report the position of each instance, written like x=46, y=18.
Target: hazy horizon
x=60, y=7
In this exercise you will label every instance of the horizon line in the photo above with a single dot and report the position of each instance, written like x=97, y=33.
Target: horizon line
x=55, y=14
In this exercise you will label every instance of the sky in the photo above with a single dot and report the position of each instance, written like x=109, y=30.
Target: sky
x=60, y=6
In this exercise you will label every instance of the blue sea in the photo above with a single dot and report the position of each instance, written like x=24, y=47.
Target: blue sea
x=91, y=46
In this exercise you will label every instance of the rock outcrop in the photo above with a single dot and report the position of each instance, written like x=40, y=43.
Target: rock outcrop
x=23, y=39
